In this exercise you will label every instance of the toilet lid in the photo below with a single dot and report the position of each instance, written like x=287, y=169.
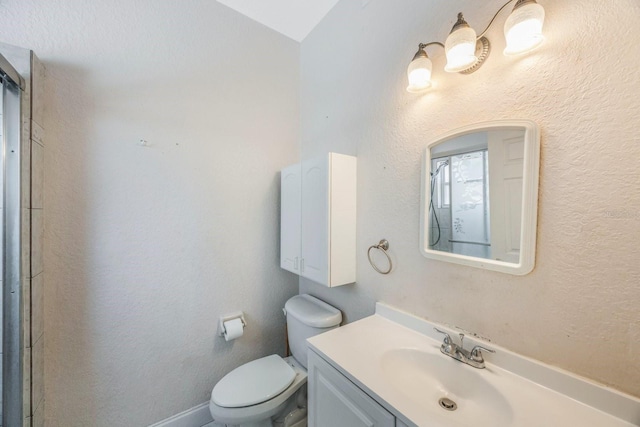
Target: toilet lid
x=254, y=382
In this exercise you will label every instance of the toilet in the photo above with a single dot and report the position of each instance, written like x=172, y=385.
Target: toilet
x=272, y=391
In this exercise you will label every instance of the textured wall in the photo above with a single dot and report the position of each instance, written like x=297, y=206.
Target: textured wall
x=147, y=246
x=579, y=308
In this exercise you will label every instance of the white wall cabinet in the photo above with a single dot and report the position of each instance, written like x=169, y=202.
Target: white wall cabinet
x=334, y=401
x=290, y=217
x=318, y=219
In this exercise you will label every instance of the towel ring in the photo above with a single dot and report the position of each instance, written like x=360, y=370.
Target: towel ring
x=382, y=246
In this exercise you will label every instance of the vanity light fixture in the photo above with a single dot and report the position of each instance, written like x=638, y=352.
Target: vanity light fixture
x=523, y=29
x=466, y=52
x=419, y=71
x=460, y=47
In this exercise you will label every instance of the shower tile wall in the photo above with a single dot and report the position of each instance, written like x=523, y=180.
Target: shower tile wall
x=444, y=219
x=21, y=59
x=36, y=271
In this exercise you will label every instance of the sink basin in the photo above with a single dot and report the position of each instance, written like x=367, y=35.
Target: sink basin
x=427, y=377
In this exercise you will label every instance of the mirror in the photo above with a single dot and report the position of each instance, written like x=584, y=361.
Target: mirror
x=480, y=196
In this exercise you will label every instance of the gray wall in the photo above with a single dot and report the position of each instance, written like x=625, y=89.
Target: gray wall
x=147, y=245
x=579, y=308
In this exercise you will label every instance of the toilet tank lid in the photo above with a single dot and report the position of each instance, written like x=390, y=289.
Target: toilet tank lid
x=313, y=312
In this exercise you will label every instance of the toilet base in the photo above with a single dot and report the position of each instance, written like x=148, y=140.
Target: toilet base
x=295, y=418
x=264, y=423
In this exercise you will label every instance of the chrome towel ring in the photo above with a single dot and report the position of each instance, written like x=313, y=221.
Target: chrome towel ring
x=382, y=246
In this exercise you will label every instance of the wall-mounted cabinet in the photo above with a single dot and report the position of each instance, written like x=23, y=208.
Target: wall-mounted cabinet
x=318, y=219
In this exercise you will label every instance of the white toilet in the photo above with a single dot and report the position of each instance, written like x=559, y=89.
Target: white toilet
x=272, y=391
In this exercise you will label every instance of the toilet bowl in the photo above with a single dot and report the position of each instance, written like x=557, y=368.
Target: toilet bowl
x=272, y=391
x=268, y=403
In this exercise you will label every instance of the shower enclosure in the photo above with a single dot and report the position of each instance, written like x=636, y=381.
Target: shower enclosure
x=21, y=135
x=460, y=203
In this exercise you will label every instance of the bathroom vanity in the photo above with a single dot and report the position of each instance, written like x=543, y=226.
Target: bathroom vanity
x=388, y=370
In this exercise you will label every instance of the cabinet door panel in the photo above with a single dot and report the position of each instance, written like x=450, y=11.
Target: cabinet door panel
x=290, y=218
x=315, y=226
x=342, y=240
x=334, y=401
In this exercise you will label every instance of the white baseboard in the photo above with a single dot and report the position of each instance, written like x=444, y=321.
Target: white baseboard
x=197, y=416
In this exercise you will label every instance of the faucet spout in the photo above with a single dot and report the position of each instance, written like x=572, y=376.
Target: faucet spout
x=458, y=352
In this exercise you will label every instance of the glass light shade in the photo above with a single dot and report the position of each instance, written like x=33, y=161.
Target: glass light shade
x=523, y=29
x=419, y=73
x=460, y=48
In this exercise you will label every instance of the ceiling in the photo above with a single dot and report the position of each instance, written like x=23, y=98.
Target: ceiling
x=293, y=18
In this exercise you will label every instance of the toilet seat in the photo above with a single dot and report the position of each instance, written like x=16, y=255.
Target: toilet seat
x=253, y=383
x=264, y=410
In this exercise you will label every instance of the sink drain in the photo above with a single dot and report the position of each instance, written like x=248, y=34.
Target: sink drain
x=448, y=404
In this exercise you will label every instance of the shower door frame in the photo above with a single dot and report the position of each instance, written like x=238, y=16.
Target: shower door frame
x=12, y=299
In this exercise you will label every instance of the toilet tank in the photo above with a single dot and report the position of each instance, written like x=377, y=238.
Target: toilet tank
x=308, y=316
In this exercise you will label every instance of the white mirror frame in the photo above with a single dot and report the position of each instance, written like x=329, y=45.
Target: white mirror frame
x=529, y=200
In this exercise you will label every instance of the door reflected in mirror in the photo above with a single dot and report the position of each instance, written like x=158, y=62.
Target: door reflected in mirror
x=480, y=196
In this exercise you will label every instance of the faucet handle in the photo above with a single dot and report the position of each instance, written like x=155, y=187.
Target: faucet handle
x=476, y=354
x=447, y=337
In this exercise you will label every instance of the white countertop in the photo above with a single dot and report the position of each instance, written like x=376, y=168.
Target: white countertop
x=359, y=349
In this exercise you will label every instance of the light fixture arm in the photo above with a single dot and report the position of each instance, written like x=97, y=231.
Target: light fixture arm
x=494, y=18
x=423, y=45
x=421, y=53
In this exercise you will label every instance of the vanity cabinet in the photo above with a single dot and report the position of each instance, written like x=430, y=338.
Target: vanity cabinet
x=318, y=219
x=334, y=401
x=389, y=365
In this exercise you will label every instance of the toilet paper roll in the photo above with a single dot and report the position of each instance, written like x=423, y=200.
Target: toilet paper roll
x=233, y=329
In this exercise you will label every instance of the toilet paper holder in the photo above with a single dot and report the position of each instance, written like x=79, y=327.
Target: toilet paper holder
x=222, y=319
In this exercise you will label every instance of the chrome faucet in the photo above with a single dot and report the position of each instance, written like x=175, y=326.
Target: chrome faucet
x=473, y=358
